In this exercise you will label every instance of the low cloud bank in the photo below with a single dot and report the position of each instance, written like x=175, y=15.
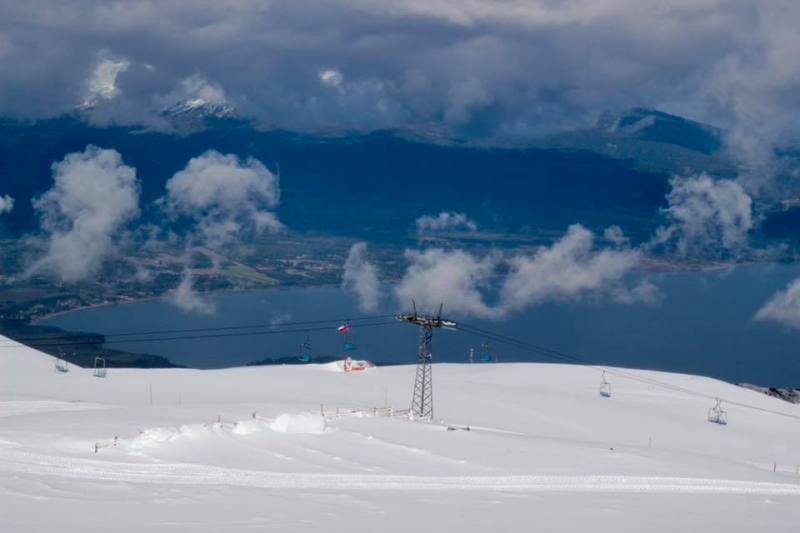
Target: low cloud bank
x=94, y=196
x=706, y=215
x=226, y=198
x=6, y=204
x=185, y=297
x=445, y=221
x=783, y=307
x=498, y=284
x=361, y=277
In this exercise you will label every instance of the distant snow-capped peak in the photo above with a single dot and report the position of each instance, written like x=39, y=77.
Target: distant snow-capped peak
x=199, y=107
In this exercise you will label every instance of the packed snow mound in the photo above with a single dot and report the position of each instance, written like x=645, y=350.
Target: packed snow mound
x=302, y=423
x=247, y=427
x=156, y=437
x=333, y=366
x=308, y=423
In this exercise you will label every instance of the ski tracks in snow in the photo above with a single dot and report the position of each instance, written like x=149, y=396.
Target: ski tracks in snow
x=20, y=462
x=29, y=407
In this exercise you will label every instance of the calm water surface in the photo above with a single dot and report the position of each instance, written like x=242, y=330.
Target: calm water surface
x=704, y=325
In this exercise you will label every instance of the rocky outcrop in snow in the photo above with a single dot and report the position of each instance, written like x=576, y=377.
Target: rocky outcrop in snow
x=785, y=394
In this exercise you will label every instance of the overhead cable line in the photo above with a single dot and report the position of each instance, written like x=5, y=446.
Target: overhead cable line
x=554, y=354
x=274, y=331
x=45, y=337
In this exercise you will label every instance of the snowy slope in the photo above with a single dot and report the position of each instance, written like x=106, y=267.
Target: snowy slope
x=544, y=451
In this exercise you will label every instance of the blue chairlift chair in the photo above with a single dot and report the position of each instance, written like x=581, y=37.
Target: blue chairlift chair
x=486, y=352
x=305, y=350
x=350, y=342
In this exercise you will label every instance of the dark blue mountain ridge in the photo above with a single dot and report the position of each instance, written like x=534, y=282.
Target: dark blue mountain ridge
x=374, y=185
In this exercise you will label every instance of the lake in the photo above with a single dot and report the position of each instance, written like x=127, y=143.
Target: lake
x=704, y=326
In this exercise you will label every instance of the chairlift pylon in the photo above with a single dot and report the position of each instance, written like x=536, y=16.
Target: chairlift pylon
x=605, y=387
x=717, y=415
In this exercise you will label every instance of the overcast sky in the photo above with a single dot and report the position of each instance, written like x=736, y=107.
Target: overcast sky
x=514, y=68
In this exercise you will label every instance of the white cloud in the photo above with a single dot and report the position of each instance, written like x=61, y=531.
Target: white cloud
x=332, y=78
x=783, y=307
x=94, y=196
x=479, y=68
x=225, y=197
x=645, y=292
x=451, y=277
x=570, y=269
x=614, y=235
x=102, y=83
x=6, y=204
x=361, y=277
x=445, y=221
x=197, y=87
x=463, y=99
x=706, y=214
x=187, y=299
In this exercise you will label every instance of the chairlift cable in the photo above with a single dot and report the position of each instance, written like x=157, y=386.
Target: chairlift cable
x=44, y=337
x=274, y=331
x=573, y=359
x=622, y=373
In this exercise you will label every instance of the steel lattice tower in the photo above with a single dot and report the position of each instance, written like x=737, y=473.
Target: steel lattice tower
x=422, y=402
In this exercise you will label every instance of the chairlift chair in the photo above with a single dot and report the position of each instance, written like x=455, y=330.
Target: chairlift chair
x=486, y=352
x=716, y=415
x=350, y=342
x=349, y=339
x=605, y=387
x=61, y=364
x=305, y=350
x=99, y=367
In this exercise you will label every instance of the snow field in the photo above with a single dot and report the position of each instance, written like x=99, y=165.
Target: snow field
x=542, y=448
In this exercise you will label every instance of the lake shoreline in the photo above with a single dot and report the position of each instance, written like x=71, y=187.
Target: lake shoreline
x=42, y=318
x=655, y=267
x=702, y=325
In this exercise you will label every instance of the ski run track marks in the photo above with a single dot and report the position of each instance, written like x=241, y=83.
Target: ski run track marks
x=193, y=474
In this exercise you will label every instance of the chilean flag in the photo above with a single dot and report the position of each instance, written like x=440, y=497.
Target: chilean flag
x=343, y=329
